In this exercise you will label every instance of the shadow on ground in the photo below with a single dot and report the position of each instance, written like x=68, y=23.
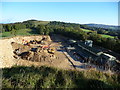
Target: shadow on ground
x=48, y=77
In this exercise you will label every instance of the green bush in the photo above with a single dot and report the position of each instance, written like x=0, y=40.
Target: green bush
x=49, y=77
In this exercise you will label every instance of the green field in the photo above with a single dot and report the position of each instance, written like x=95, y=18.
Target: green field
x=86, y=30
x=33, y=32
x=103, y=35
x=19, y=32
x=106, y=36
x=6, y=34
x=48, y=77
x=36, y=23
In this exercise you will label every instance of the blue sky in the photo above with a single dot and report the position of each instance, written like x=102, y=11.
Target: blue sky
x=74, y=12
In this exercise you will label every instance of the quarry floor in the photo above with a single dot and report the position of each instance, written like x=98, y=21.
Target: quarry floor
x=62, y=61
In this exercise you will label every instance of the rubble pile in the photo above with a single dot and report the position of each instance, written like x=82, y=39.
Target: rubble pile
x=34, y=50
x=11, y=48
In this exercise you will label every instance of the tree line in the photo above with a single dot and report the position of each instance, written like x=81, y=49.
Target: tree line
x=69, y=30
x=10, y=27
x=75, y=32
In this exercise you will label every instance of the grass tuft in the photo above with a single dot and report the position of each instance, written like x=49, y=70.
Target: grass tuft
x=49, y=77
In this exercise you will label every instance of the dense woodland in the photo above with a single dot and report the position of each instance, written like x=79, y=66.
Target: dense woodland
x=71, y=30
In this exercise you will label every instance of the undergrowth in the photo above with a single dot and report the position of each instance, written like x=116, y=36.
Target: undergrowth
x=49, y=77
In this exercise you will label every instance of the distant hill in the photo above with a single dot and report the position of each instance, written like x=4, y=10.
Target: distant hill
x=104, y=26
x=36, y=22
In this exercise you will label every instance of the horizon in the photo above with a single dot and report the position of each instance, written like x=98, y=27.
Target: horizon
x=60, y=21
x=105, y=13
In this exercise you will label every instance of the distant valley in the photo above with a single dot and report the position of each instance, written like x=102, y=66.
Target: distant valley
x=104, y=26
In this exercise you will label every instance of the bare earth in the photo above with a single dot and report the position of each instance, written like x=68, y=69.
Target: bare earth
x=7, y=59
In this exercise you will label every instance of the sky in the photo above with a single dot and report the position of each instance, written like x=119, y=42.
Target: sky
x=74, y=12
x=60, y=0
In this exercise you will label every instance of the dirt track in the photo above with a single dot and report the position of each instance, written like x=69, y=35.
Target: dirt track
x=6, y=53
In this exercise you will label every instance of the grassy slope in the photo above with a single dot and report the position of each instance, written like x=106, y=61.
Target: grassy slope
x=36, y=23
x=19, y=32
x=42, y=22
x=33, y=32
x=86, y=30
x=103, y=35
x=24, y=31
x=106, y=36
x=48, y=77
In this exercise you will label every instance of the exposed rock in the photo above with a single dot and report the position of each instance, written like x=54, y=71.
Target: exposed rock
x=7, y=47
